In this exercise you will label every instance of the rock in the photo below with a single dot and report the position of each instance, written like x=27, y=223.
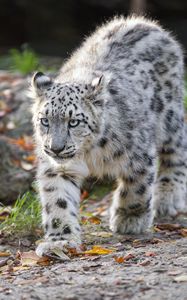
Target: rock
x=15, y=127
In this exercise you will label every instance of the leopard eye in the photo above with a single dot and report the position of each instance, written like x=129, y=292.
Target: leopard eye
x=44, y=122
x=73, y=123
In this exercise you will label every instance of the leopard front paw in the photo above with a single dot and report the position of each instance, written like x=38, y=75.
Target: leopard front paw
x=170, y=199
x=53, y=247
x=130, y=224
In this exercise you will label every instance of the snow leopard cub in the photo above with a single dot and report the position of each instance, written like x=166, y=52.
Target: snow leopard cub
x=115, y=108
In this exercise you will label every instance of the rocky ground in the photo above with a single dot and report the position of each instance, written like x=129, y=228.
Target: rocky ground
x=152, y=266
x=16, y=145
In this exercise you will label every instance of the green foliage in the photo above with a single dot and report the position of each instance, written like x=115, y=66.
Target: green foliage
x=25, y=216
x=24, y=61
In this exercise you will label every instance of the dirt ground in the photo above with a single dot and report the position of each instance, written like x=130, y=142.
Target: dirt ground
x=152, y=266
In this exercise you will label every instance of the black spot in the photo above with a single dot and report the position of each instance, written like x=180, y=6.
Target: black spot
x=172, y=59
x=75, y=106
x=168, y=84
x=172, y=121
x=73, y=214
x=167, y=151
x=129, y=179
x=148, y=202
x=135, y=35
x=136, y=156
x=168, y=141
x=118, y=153
x=47, y=208
x=150, y=179
x=157, y=105
x=52, y=234
x=50, y=189
x=66, y=229
x=46, y=227
x=167, y=163
x=136, y=62
x=168, y=97
x=61, y=203
x=141, y=190
x=129, y=135
x=161, y=68
x=56, y=222
x=148, y=159
x=179, y=173
x=165, y=179
x=98, y=102
x=123, y=193
x=134, y=206
x=78, y=228
x=70, y=178
x=141, y=172
x=51, y=174
x=102, y=142
x=130, y=125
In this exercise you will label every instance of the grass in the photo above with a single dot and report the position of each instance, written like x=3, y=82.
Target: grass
x=25, y=61
x=25, y=216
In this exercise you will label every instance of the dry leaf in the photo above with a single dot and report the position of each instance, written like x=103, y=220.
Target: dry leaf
x=20, y=268
x=145, y=262
x=94, y=220
x=174, y=272
x=168, y=226
x=183, y=232
x=84, y=220
x=5, y=212
x=103, y=234
x=128, y=256
x=98, y=250
x=119, y=259
x=23, y=142
x=73, y=252
x=5, y=254
x=84, y=195
x=150, y=254
x=30, y=158
x=59, y=253
x=181, y=278
x=101, y=210
x=31, y=258
x=122, y=259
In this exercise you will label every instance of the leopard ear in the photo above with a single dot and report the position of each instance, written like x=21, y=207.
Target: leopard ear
x=40, y=82
x=97, y=82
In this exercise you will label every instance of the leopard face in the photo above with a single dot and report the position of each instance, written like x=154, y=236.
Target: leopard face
x=66, y=117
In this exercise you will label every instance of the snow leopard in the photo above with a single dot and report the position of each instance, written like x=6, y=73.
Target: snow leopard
x=115, y=109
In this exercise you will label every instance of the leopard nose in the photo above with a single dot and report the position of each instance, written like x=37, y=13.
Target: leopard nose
x=57, y=150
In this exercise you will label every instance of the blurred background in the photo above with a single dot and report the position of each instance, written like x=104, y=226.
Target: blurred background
x=56, y=27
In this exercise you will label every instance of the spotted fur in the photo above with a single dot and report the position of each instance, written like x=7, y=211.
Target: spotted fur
x=115, y=109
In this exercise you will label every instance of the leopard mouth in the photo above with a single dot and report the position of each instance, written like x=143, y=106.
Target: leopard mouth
x=62, y=157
